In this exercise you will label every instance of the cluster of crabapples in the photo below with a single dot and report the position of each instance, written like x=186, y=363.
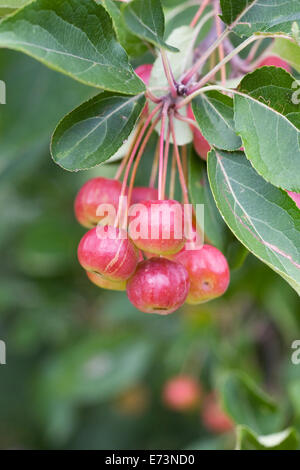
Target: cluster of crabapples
x=171, y=274
x=183, y=393
x=159, y=273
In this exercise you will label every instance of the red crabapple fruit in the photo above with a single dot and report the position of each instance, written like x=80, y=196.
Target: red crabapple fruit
x=93, y=193
x=276, y=62
x=104, y=283
x=182, y=393
x=158, y=286
x=114, y=256
x=201, y=145
x=144, y=72
x=157, y=226
x=214, y=418
x=208, y=272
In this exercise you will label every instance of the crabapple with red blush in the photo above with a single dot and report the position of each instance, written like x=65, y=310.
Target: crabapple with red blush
x=208, y=273
x=182, y=393
x=110, y=253
x=92, y=195
x=157, y=226
x=158, y=286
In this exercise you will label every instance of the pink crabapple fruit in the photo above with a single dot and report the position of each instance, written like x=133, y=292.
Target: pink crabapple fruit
x=143, y=193
x=156, y=226
x=182, y=393
x=104, y=283
x=93, y=193
x=208, y=272
x=114, y=256
x=158, y=286
x=276, y=62
x=201, y=145
x=214, y=418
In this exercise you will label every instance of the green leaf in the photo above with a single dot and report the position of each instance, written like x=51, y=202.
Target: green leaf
x=247, y=404
x=200, y=193
x=75, y=38
x=145, y=18
x=266, y=118
x=288, y=51
x=261, y=216
x=214, y=113
x=94, y=131
x=249, y=440
x=129, y=41
x=270, y=16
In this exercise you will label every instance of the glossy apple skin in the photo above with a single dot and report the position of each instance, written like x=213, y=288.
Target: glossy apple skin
x=295, y=197
x=158, y=286
x=276, y=62
x=214, y=418
x=182, y=393
x=94, y=192
x=113, y=258
x=201, y=145
x=143, y=193
x=153, y=239
x=208, y=272
x=104, y=283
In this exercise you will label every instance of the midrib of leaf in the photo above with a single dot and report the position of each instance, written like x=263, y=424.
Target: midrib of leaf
x=210, y=102
x=102, y=122
x=256, y=233
x=28, y=47
x=63, y=52
x=152, y=31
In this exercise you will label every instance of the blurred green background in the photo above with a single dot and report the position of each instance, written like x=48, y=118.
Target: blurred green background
x=85, y=370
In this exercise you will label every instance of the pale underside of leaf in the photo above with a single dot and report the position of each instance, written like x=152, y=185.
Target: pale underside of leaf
x=271, y=142
x=260, y=215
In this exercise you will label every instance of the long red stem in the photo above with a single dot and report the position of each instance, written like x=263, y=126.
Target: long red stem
x=138, y=158
x=199, y=13
x=161, y=151
x=131, y=158
x=166, y=159
x=183, y=185
x=173, y=176
x=179, y=165
x=154, y=167
x=190, y=73
x=168, y=73
x=125, y=159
